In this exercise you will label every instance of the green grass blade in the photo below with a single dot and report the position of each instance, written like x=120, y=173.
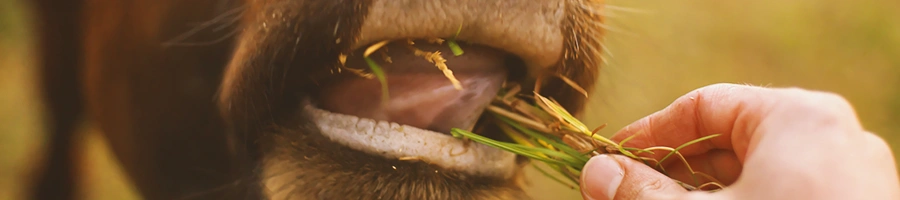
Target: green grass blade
x=381, y=78
x=514, y=148
x=622, y=143
x=454, y=47
x=562, y=170
x=570, y=160
x=516, y=136
x=553, y=142
x=545, y=173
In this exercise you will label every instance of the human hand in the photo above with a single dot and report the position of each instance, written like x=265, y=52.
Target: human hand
x=775, y=144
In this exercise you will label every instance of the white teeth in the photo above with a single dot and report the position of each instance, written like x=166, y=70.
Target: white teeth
x=396, y=141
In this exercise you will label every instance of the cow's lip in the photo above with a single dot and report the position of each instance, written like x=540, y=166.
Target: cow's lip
x=420, y=93
x=422, y=107
x=530, y=32
x=397, y=141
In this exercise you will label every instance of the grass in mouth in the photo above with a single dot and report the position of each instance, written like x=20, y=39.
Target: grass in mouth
x=454, y=47
x=377, y=72
x=542, y=130
x=438, y=60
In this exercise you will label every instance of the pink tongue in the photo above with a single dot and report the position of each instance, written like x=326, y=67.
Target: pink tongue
x=420, y=94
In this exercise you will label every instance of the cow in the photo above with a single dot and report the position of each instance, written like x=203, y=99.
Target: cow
x=267, y=99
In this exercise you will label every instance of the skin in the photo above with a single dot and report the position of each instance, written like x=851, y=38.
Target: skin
x=776, y=143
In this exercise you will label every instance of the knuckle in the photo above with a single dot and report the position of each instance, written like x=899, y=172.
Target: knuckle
x=825, y=108
x=707, y=94
x=718, y=88
x=878, y=146
x=721, y=85
x=650, y=187
x=654, y=185
x=820, y=99
x=835, y=101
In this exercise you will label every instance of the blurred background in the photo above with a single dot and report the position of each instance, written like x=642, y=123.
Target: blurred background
x=659, y=50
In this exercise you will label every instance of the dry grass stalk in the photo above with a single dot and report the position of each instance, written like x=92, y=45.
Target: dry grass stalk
x=439, y=62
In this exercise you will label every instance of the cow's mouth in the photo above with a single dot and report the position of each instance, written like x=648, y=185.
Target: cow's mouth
x=508, y=43
x=420, y=94
x=422, y=105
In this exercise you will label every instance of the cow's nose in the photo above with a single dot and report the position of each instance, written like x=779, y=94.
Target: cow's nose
x=420, y=94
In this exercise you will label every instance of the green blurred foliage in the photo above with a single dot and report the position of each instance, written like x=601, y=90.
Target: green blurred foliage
x=659, y=50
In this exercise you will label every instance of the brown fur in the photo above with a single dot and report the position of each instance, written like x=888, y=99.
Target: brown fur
x=198, y=119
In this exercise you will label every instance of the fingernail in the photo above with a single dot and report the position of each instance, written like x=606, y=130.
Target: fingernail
x=601, y=177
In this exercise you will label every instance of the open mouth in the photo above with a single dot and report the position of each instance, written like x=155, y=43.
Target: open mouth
x=422, y=105
x=414, y=122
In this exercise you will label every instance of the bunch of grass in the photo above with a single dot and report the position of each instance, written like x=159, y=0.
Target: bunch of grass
x=543, y=130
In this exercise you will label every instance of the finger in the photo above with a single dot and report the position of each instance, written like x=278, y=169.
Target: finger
x=721, y=166
x=724, y=109
x=608, y=177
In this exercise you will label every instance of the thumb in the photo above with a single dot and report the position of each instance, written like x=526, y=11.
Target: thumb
x=608, y=177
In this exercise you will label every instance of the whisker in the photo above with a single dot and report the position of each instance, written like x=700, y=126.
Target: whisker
x=615, y=8
x=220, y=39
x=591, y=9
x=612, y=29
x=236, y=19
x=207, y=24
x=606, y=50
x=604, y=60
x=235, y=14
x=592, y=49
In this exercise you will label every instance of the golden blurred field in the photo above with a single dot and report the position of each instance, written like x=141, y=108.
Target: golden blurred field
x=659, y=51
